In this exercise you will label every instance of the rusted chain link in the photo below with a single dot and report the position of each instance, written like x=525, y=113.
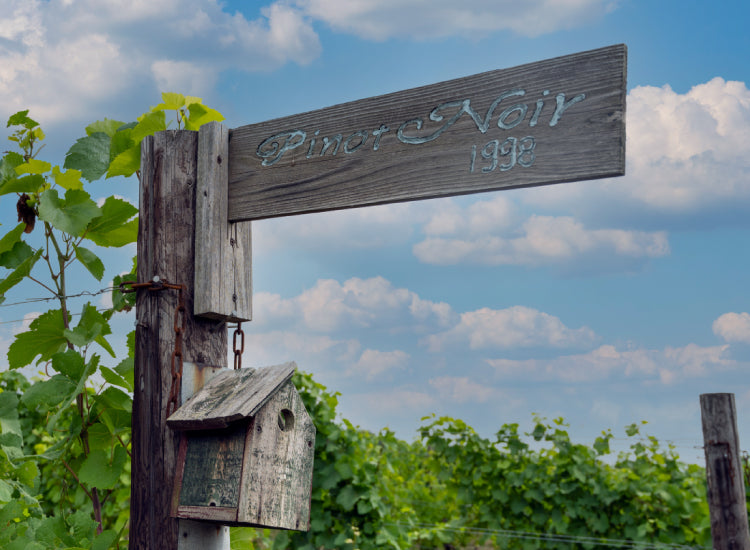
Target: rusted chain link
x=180, y=320
x=238, y=351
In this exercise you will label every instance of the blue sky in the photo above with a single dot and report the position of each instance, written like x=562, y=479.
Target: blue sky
x=605, y=302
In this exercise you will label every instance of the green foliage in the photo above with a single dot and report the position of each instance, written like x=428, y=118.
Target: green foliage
x=453, y=488
x=64, y=438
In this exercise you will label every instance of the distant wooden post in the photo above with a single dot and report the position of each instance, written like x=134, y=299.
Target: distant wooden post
x=165, y=250
x=726, y=487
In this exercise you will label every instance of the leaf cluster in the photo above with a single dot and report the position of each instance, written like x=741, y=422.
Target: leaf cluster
x=65, y=437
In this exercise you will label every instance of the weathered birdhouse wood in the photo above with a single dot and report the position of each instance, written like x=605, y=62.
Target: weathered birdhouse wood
x=246, y=451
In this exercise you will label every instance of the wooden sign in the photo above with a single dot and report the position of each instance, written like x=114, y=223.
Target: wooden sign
x=547, y=122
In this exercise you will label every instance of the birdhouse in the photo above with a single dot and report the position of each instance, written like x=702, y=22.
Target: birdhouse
x=246, y=451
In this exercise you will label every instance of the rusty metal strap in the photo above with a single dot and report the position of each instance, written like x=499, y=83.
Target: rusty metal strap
x=180, y=321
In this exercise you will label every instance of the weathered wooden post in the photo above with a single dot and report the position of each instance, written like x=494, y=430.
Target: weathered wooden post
x=726, y=486
x=166, y=335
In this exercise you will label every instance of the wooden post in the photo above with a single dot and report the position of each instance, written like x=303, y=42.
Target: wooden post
x=726, y=487
x=165, y=250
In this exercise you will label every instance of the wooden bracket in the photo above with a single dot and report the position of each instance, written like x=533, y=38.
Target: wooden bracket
x=223, y=278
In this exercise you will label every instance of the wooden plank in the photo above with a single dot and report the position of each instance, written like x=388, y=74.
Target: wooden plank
x=548, y=122
x=223, y=278
x=165, y=249
x=276, y=480
x=230, y=396
x=726, y=487
x=213, y=465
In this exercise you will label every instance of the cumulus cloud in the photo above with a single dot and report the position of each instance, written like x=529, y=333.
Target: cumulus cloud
x=667, y=366
x=461, y=389
x=514, y=327
x=355, y=304
x=686, y=154
x=373, y=363
x=58, y=57
x=425, y=19
x=540, y=240
x=733, y=327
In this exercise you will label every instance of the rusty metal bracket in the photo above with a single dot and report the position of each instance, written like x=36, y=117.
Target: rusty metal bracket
x=180, y=320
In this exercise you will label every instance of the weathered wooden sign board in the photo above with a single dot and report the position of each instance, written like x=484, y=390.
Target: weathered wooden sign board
x=548, y=122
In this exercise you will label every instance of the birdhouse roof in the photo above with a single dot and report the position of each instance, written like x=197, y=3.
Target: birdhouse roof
x=230, y=396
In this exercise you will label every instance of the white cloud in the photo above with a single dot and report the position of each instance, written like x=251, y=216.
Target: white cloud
x=423, y=19
x=373, y=363
x=461, y=389
x=541, y=240
x=311, y=352
x=733, y=327
x=514, y=327
x=686, y=153
x=667, y=366
x=58, y=57
x=355, y=304
x=399, y=399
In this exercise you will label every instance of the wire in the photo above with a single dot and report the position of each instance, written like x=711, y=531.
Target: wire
x=552, y=537
x=58, y=297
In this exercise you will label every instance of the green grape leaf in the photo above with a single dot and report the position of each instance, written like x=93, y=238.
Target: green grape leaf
x=115, y=226
x=14, y=257
x=9, y=423
x=26, y=184
x=27, y=472
x=116, y=420
x=104, y=344
x=90, y=155
x=99, y=471
x=71, y=215
x=148, y=125
x=105, y=540
x=10, y=239
x=21, y=118
x=347, y=498
x=83, y=525
x=100, y=437
x=6, y=492
x=121, y=141
x=115, y=379
x=89, y=260
x=19, y=273
x=170, y=102
x=70, y=179
x=8, y=165
x=44, y=337
x=107, y=126
x=91, y=325
x=200, y=115
x=48, y=393
x=126, y=163
x=126, y=369
x=69, y=363
x=114, y=398
x=33, y=166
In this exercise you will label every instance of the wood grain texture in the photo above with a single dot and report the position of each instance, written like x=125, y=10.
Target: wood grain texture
x=223, y=276
x=230, y=396
x=277, y=475
x=726, y=487
x=165, y=249
x=429, y=142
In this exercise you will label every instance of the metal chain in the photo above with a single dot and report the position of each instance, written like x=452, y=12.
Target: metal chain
x=238, y=351
x=180, y=320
